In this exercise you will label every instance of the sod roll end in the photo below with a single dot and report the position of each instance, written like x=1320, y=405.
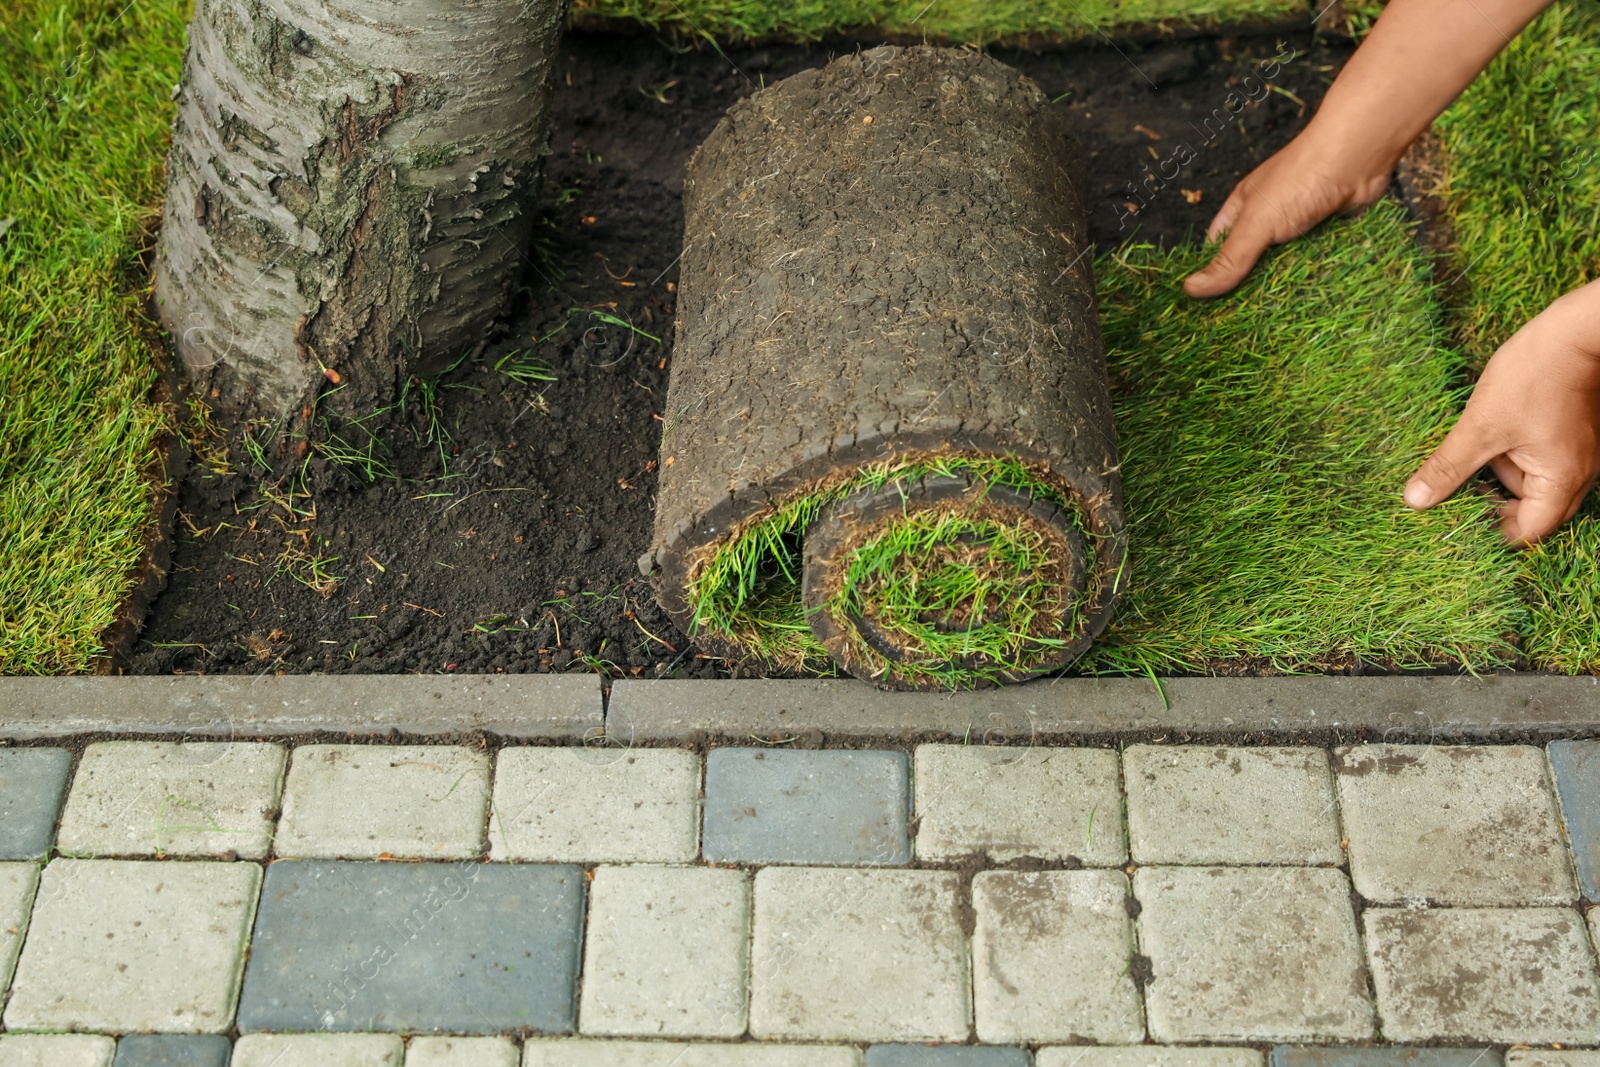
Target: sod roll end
x=888, y=444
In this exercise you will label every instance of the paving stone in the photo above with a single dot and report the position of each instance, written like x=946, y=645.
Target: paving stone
x=32, y=783
x=146, y=798
x=55, y=1050
x=667, y=952
x=825, y=806
x=1051, y=958
x=1502, y=975
x=361, y=801
x=1545, y=1057
x=1251, y=954
x=945, y=1056
x=1391, y=1056
x=1452, y=824
x=461, y=1052
x=318, y=1050
x=173, y=1050
x=860, y=956
x=1198, y=804
x=1575, y=766
x=671, y=1054
x=596, y=806
x=134, y=946
x=467, y=948
x=17, y=884
x=1003, y=802
x=1148, y=1056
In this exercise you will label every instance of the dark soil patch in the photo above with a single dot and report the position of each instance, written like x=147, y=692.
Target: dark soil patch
x=513, y=546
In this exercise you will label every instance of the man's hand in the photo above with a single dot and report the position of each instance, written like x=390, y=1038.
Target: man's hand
x=1280, y=200
x=1534, y=419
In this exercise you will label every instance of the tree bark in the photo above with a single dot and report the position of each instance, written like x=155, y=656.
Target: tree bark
x=886, y=261
x=349, y=190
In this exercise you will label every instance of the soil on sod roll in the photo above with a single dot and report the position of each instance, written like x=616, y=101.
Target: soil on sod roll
x=886, y=275
x=504, y=516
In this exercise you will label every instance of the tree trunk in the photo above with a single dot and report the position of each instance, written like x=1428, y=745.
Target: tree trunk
x=349, y=191
x=886, y=274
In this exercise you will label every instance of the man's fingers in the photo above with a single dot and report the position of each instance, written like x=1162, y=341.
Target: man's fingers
x=1245, y=243
x=1509, y=473
x=1533, y=518
x=1468, y=446
x=1222, y=222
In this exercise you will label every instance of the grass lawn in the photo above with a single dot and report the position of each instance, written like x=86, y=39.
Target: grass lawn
x=1523, y=154
x=84, y=112
x=1265, y=436
x=975, y=21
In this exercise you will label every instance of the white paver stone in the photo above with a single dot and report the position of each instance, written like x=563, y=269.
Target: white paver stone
x=1470, y=825
x=1011, y=802
x=581, y=1053
x=56, y=1050
x=318, y=1050
x=361, y=801
x=17, y=884
x=461, y=1052
x=667, y=952
x=135, y=946
x=1051, y=958
x=149, y=798
x=1148, y=1056
x=1198, y=804
x=1500, y=975
x=858, y=955
x=1251, y=954
x=1548, y=1057
x=596, y=805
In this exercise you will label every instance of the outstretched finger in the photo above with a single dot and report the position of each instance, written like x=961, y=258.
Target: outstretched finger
x=1246, y=241
x=1469, y=445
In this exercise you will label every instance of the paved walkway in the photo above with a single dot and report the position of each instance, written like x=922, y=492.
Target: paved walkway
x=270, y=904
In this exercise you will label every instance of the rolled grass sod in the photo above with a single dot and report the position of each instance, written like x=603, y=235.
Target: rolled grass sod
x=1522, y=185
x=84, y=111
x=938, y=21
x=1265, y=440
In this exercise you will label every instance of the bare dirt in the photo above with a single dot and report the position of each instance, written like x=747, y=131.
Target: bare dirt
x=502, y=534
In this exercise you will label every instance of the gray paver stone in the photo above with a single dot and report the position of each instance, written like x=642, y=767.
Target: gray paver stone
x=361, y=801
x=318, y=1050
x=55, y=1050
x=32, y=783
x=1006, y=803
x=1148, y=1056
x=1453, y=824
x=1502, y=975
x=461, y=1052
x=1198, y=804
x=1051, y=958
x=1302, y=1056
x=1545, y=1057
x=667, y=952
x=946, y=1056
x=146, y=798
x=17, y=884
x=672, y=1054
x=173, y=1050
x=596, y=805
x=1251, y=954
x=1575, y=765
x=467, y=948
x=858, y=955
x=134, y=946
x=826, y=806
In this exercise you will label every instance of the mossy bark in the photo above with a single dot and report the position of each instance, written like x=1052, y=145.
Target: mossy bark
x=885, y=260
x=349, y=190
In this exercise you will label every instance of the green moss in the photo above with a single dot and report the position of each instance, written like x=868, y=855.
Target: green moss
x=84, y=113
x=1523, y=187
x=974, y=21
